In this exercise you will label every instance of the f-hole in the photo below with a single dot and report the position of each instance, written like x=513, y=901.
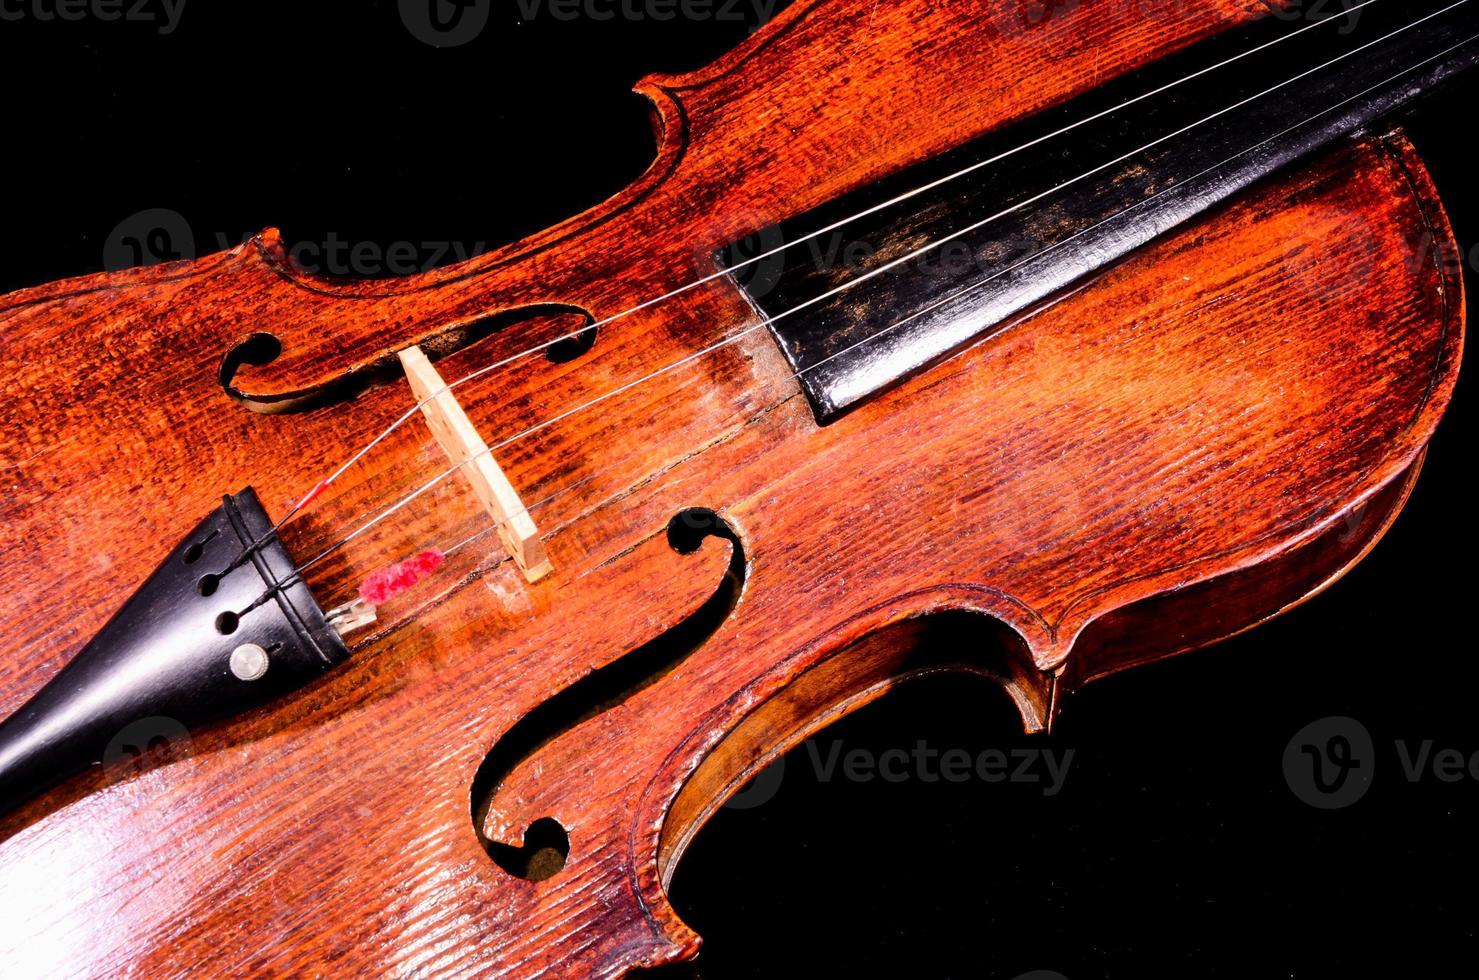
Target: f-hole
x=567, y=349
x=258, y=350
x=261, y=349
x=546, y=845
x=604, y=688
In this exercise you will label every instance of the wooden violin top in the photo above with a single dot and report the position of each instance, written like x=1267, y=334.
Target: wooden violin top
x=1191, y=442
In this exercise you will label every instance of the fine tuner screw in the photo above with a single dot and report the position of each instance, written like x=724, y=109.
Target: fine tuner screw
x=249, y=662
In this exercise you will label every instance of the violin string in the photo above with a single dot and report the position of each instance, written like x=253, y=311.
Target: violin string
x=304, y=501
x=424, y=488
x=1057, y=245
x=297, y=573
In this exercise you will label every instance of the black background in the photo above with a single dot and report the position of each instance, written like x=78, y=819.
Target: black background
x=1176, y=846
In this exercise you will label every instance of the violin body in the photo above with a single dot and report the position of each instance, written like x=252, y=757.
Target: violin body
x=1200, y=438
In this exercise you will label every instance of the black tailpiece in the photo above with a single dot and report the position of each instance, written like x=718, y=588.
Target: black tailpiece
x=189, y=647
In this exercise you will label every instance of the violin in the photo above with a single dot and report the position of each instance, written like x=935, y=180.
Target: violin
x=419, y=624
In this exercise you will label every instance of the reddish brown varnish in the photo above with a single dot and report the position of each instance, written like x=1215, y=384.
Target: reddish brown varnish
x=1207, y=435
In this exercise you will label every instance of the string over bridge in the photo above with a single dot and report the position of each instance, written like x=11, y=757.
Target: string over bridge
x=466, y=449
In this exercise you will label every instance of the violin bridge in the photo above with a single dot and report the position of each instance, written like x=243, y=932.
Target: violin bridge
x=463, y=445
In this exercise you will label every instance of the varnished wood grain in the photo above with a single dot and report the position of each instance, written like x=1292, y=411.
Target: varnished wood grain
x=1208, y=419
